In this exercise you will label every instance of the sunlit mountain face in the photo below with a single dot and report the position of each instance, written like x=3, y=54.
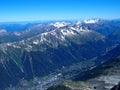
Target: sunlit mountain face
x=39, y=55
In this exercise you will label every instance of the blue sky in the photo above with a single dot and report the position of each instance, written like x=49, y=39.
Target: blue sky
x=30, y=10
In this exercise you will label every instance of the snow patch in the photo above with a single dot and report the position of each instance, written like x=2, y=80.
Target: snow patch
x=17, y=33
x=72, y=28
x=78, y=23
x=67, y=32
x=36, y=42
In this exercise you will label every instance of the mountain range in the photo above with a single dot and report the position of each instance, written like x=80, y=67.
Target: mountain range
x=65, y=48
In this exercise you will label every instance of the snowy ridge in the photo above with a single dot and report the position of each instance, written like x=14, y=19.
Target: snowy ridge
x=59, y=24
x=90, y=21
x=62, y=33
x=78, y=23
x=59, y=34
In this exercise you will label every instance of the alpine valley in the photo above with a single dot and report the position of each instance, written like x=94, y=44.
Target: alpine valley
x=60, y=55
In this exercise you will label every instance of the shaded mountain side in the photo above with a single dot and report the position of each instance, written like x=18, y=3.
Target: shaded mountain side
x=9, y=71
x=115, y=36
x=112, y=53
x=102, y=77
x=110, y=60
x=99, y=70
x=34, y=62
x=39, y=63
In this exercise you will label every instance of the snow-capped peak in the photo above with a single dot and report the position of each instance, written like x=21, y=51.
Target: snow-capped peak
x=78, y=22
x=17, y=33
x=3, y=31
x=59, y=24
x=91, y=21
